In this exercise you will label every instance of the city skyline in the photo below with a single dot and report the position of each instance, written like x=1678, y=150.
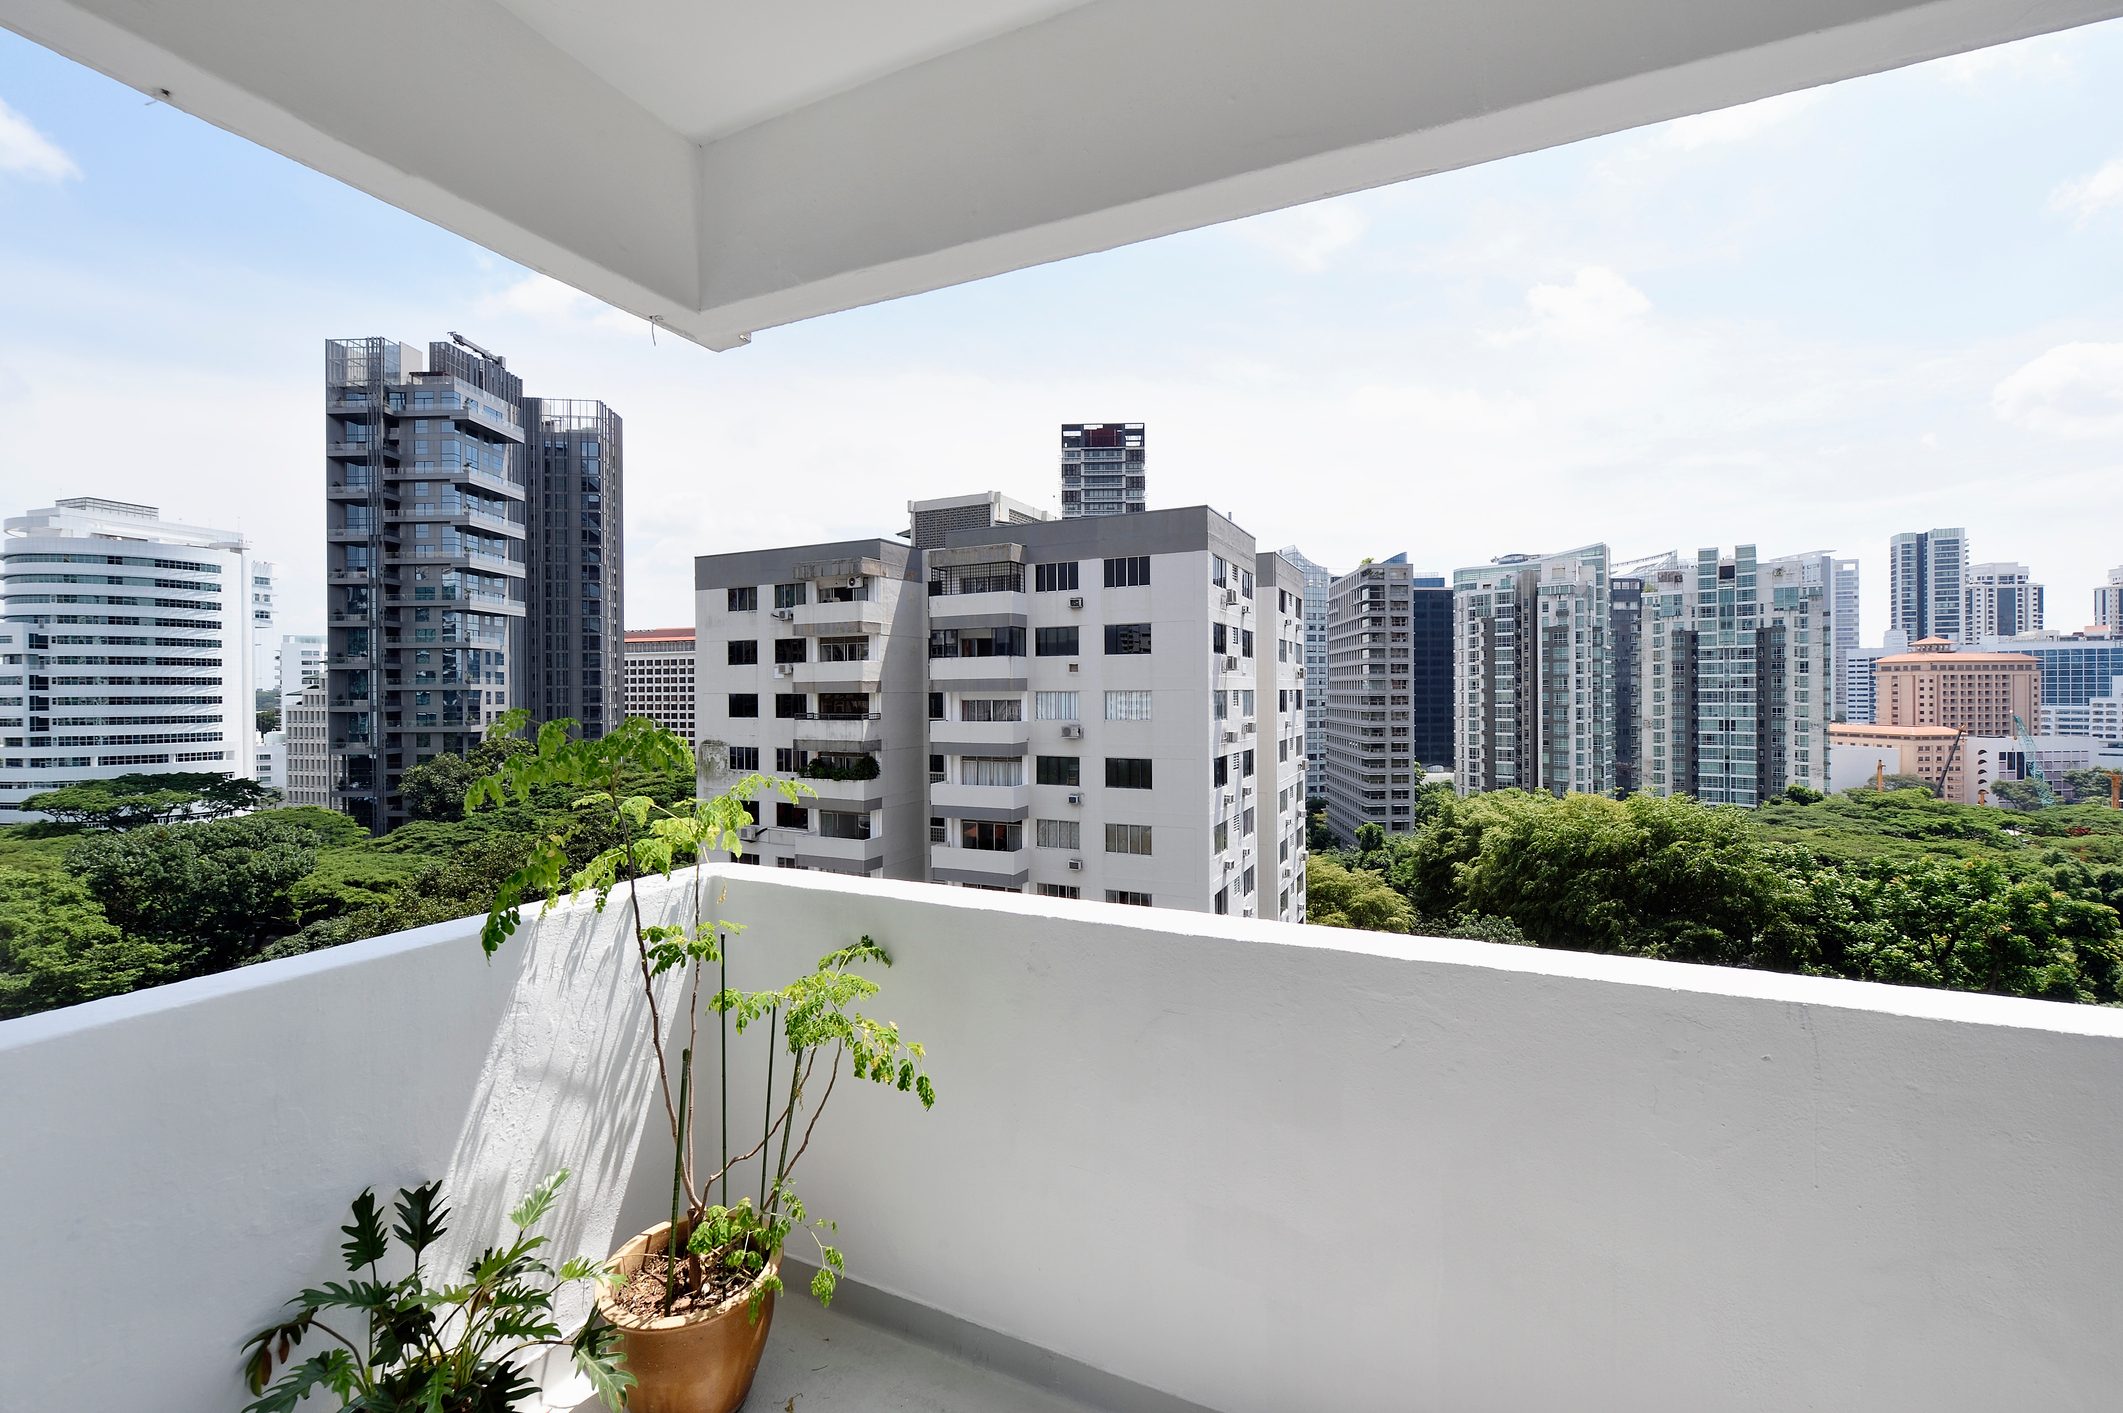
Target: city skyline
x=1806, y=323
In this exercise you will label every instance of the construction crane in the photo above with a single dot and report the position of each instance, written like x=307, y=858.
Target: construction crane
x=2030, y=768
x=1938, y=787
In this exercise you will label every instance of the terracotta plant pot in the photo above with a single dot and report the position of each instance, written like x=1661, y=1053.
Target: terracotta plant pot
x=698, y=1363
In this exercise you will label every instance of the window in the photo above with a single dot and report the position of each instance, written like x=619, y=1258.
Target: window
x=1223, y=901
x=992, y=709
x=1054, y=706
x=1245, y=642
x=743, y=652
x=1060, y=890
x=744, y=704
x=936, y=706
x=1219, y=572
x=1053, y=578
x=1223, y=837
x=745, y=600
x=1127, y=773
x=1054, y=642
x=1127, y=639
x=990, y=834
x=844, y=706
x=1127, y=706
x=1059, y=833
x=1127, y=838
x=936, y=770
x=843, y=824
x=789, y=595
x=1136, y=900
x=792, y=649
x=991, y=770
x=1248, y=768
x=744, y=758
x=790, y=761
x=789, y=705
x=1057, y=770
x=1129, y=572
x=790, y=816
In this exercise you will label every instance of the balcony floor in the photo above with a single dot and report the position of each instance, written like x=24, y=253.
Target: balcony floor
x=827, y=1361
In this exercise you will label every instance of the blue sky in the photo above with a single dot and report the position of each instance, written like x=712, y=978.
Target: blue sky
x=1807, y=323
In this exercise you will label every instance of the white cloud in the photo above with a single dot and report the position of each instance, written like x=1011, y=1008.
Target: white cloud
x=546, y=300
x=1307, y=238
x=2073, y=390
x=2089, y=196
x=26, y=152
x=1738, y=124
x=1596, y=302
x=2044, y=56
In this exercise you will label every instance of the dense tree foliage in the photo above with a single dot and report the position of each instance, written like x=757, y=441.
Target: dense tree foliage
x=132, y=801
x=57, y=948
x=1337, y=896
x=1892, y=886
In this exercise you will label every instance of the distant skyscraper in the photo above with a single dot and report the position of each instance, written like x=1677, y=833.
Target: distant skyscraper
x=661, y=678
x=575, y=615
x=1927, y=583
x=2001, y=600
x=265, y=665
x=1625, y=609
x=143, y=667
x=308, y=747
x=1102, y=469
x=301, y=659
x=1319, y=580
x=1734, y=676
x=2108, y=601
x=1854, y=677
x=1388, y=694
x=1533, y=695
x=1849, y=634
x=435, y=517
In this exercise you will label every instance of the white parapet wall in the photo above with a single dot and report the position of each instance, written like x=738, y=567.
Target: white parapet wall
x=1251, y=1165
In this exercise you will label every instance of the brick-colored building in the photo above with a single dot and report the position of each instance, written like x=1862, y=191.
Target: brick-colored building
x=1980, y=693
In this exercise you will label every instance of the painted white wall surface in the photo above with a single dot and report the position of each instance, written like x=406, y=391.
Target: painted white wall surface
x=1258, y=1166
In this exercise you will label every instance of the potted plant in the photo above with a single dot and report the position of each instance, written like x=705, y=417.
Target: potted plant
x=694, y=1296
x=402, y=1343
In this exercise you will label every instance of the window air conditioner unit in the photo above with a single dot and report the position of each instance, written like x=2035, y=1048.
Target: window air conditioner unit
x=1230, y=596
x=786, y=615
x=1230, y=738
x=1230, y=664
x=784, y=669
x=1076, y=799
x=1072, y=733
x=1076, y=603
x=1076, y=865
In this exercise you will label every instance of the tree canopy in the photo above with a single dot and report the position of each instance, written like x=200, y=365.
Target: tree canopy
x=133, y=801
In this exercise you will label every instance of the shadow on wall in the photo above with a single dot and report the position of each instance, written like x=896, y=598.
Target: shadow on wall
x=569, y=1081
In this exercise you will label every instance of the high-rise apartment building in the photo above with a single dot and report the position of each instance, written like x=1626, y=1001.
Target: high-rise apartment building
x=1927, y=583
x=661, y=670
x=1849, y=634
x=1319, y=582
x=1388, y=699
x=132, y=636
x=2001, y=600
x=264, y=665
x=990, y=711
x=466, y=547
x=1982, y=693
x=1625, y=611
x=301, y=659
x=1734, y=675
x=1533, y=690
x=1102, y=469
x=2108, y=602
x=575, y=620
x=306, y=719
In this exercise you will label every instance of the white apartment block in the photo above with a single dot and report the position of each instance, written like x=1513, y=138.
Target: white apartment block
x=1533, y=674
x=263, y=660
x=1735, y=675
x=135, y=635
x=305, y=721
x=660, y=676
x=301, y=665
x=2108, y=601
x=2001, y=600
x=1105, y=707
x=809, y=665
x=1319, y=584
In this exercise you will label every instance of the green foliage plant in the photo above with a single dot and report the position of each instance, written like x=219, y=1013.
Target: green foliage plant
x=400, y=1344
x=811, y=1018
x=131, y=801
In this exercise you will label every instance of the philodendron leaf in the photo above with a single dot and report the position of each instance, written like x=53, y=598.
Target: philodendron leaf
x=365, y=1241
x=420, y=1220
x=538, y=1201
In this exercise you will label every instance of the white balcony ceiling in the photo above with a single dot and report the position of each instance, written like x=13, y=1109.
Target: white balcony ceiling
x=723, y=167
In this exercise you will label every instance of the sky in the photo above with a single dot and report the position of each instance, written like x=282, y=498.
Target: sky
x=1805, y=323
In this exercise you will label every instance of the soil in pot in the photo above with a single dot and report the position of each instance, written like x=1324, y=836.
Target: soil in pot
x=642, y=1294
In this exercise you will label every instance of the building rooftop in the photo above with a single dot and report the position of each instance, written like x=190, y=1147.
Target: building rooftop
x=660, y=635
